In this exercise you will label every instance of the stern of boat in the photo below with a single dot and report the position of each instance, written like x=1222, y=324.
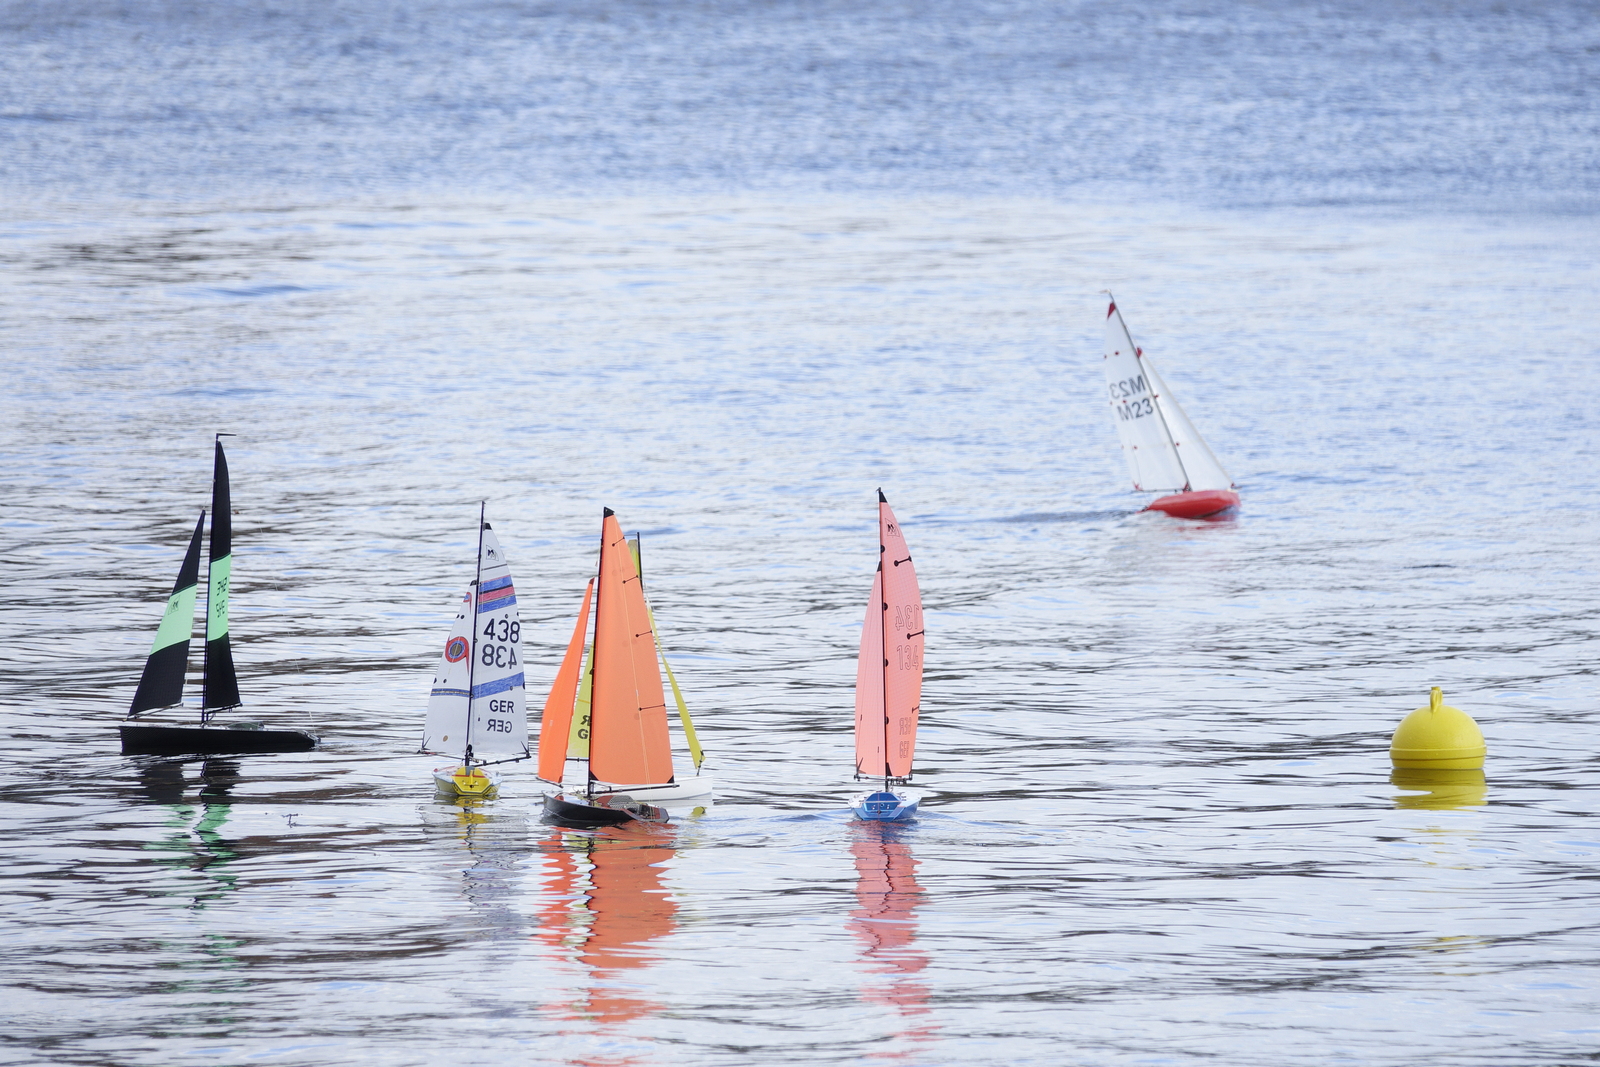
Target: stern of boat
x=466, y=781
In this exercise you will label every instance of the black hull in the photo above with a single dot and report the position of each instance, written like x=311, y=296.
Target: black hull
x=566, y=812
x=208, y=741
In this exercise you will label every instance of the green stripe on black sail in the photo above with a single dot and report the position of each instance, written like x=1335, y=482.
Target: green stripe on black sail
x=221, y=683
x=161, y=685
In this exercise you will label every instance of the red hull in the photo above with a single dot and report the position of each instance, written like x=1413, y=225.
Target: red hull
x=1195, y=505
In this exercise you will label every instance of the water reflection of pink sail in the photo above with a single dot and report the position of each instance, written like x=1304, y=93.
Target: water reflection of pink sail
x=605, y=913
x=887, y=895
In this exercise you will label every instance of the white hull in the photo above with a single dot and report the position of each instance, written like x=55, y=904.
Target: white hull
x=684, y=789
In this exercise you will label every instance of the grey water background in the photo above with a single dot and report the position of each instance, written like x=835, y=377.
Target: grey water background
x=729, y=268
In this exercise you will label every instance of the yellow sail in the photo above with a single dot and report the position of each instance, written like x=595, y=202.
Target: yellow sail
x=578, y=738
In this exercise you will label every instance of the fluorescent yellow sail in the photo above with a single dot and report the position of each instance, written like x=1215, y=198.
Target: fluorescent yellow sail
x=677, y=695
x=578, y=739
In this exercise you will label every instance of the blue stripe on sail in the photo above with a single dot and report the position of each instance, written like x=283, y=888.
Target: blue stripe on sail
x=498, y=583
x=448, y=693
x=496, y=605
x=489, y=689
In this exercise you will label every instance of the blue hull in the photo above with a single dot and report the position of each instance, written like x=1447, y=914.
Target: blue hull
x=883, y=807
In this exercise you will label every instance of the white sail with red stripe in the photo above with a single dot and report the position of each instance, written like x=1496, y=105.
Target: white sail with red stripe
x=477, y=709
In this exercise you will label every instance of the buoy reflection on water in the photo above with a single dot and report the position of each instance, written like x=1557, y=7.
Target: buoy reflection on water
x=1440, y=790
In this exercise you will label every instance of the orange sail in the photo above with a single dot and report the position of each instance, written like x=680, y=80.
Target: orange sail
x=556, y=722
x=889, y=669
x=628, y=742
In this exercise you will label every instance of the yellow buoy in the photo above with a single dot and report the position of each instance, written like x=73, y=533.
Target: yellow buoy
x=1438, y=737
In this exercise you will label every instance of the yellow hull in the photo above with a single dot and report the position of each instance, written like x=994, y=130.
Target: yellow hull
x=466, y=782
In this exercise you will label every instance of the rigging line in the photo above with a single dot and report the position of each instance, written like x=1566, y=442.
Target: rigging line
x=472, y=628
x=594, y=659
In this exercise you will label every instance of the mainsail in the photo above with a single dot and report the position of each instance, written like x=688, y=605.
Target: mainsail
x=221, y=684
x=889, y=667
x=161, y=685
x=1165, y=452
x=628, y=742
x=476, y=707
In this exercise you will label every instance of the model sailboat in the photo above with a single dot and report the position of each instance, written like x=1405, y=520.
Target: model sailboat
x=161, y=685
x=477, y=709
x=624, y=748
x=889, y=676
x=1165, y=452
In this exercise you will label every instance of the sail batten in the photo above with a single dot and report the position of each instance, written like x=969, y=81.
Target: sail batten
x=161, y=684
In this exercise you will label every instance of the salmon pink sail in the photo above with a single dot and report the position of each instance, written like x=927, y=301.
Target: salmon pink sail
x=889, y=671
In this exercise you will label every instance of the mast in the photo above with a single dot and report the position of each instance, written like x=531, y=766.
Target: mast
x=594, y=660
x=472, y=645
x=883, y=632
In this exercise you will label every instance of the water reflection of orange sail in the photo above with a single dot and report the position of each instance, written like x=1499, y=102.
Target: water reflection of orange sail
x=607, y=915
x=887, y=895
x=631, y=909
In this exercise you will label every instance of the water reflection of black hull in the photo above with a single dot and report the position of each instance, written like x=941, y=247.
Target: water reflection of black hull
x=205, y=741
x=610, y=811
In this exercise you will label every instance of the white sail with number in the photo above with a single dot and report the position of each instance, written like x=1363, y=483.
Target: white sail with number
x=1165, y=452
x=477, y=708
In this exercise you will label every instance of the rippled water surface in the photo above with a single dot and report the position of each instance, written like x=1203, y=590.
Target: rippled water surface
x=728, y=270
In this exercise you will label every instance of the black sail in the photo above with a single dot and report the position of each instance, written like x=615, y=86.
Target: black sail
x=161, y=685
x=221, y=683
